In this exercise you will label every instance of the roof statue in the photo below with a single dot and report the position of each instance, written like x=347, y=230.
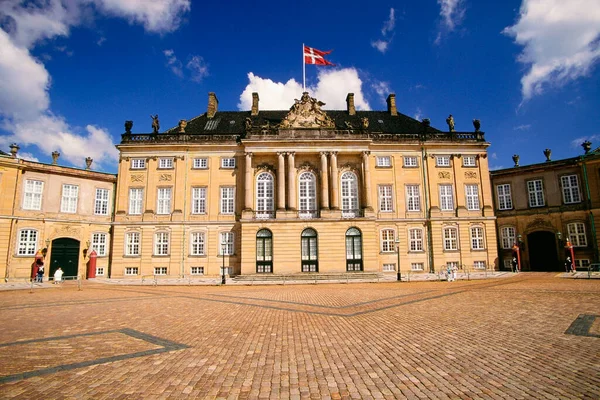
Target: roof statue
x=128, y=126
x=450, y=122
x=307, y=113
x=155, y=123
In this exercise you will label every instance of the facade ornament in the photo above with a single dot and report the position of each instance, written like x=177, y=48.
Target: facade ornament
x=364, y=122
x=548, y=154
x=248, y=124
x=306, y=166
x=264, y=167
x=137, y=178
x=587, y=146
x=55, y=155
x=128, y=126
x=307, y=113
x=165, y=177
x=444, y=175
x=515, y=158
x=348, y=125
x=471, y=175
x=450, y=122
x=182, y=125
x=155, y=123
x=426, y=122
x=14, y=149
x=88, y=163
x=539, y=223
x=476, y=125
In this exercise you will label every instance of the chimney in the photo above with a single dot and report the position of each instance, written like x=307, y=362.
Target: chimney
x=254, y=111
x=14, y=149
x=391, y=102
x=350, y=104
x=213, y=105
x=55, y=155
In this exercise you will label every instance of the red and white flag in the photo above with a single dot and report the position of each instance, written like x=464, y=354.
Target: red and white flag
x=314, y=56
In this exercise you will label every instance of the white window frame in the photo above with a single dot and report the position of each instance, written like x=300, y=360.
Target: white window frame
x=450, y=238
x=442, y=161
x=133, y=242
x=198, y=243
x=582, y=263
x=415, y=239
x=413, y=198
x=410, y=161
x=384, y=161
x=101, y=202
x=472, y=194
x=479, y=265
x=349, y=189
x=200, y=163
x=165, y=163
x=163, y=200
x=131, y=271
x=138, y=163
x=307, y=195
x=576, y=233
x=570, y=189
x=99, y=243
x=162, y=242
x=504, y=194
x=265, y=195
x=477, y=238
x=508, y=236
x=416, y=266
x=136, y=198
x=32, y=199
x=386, y=198
x=99, y=271
x=388, y=267
x=469, y=161
x=227, y=199
x=446, y=197
x=199, y=200
x=27, y=242
x=228, y=162
x=160, y=270
x=196, y=270
x=229, y=239
x=69, y=199
x=535, y=193
x=388, y=243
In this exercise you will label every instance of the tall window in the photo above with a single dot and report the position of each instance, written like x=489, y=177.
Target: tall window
x=69, y=198
x=309, y=249
x=132, y=244
x=446, y=198
x=135, y=200
x=509, y=236
x=197, y=243
x=413, y=199
x=163, y=205
x=472, y=197
x=161, y=244
x=450, y=238
x=33, y=195
x=349, y=194
x=264, y=195
x=477, y=238
x=387, y=240
x=308, y=194
x=264, y=251
x=226, y=243
x=577, y=234
x=385, y=198
x=504, y=197
x=354, y=260
x=227, y=200
x=535, y=190
x=99, y=243
x=415, y=239
x=101, y=204
x=27, y=242
x=199, y=200
x=570, y=186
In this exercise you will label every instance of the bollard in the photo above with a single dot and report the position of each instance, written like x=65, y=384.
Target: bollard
x=78, y=282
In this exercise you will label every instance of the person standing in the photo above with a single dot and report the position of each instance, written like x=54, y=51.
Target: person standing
x=58, y=276
x=454, y=272
x=40, y=272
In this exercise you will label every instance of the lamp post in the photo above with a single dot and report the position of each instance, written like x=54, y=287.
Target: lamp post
x=399, y=277
x=223, y=247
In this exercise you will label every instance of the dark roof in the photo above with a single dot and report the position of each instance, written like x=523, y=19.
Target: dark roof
x=3, y=153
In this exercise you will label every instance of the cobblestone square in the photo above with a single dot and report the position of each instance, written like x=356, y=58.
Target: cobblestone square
x=532, y=335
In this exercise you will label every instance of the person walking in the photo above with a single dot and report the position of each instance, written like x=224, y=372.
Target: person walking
x=58, y=276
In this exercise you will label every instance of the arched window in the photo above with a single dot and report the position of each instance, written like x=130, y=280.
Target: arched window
x=310, y=261
x=353, y=250
x=307, y=195
x=264, y=195
x=264, y=251
x=350, y=195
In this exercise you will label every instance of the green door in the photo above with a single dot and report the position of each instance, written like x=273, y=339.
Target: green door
x=65, y=254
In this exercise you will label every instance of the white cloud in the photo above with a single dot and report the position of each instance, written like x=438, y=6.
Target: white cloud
x=382, y=89
x=559, y=39
x=452, y=13
x=198, y=68
x=173, y=63
x=577, y=142
x=524, y=127
x=380, y=45
x=387, y=32
x=332, y=88
x=494, y=156
x=27, y=156
x=101, y=41
x=418, y=114
x=388, y=26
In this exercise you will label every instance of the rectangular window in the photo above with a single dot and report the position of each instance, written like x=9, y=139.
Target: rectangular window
x=101, y=204
x=442, y=161
x=478, y=264
x=226, y=243
x=197, y=270
x=535, y=190
x=69, y=198
x=450, y=239
x=410, y=161
x=27, y=242
x=469, y=161
x=138, y=163
x=570, y=186
x=200, y=163
x=472, y=192
x=131, y=270
x=33, y=195
x=161, y=244
x=165, y=163
x=387, y=241
x=504, y=197
x=446, y=198
x=99, y=271
x=163, y=205
x=135, y=201
x=197, y=244
x=160, y=270
x=477, y=238
x=389, y=267
x=199, y=200
x=99, y=244
x=227, y=200
x=582, y=263
x=413, y=200
x=415, y=239
x=384, y=161
x=132, y=244
x=416, y=266
x=508, y=236
x=508, y=264
x=385, y=198
x=577, y=234
x=228, y=162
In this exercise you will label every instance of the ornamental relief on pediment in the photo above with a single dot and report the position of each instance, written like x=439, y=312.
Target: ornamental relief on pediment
x=307, y=113
x=137, y=178
x=470, y=175
x=444, y=175
x=165, y=177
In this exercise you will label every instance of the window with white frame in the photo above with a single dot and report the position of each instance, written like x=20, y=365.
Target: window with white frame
x=138, y=163
x=160, y=270
x=582, y=263
x=415, y=236
x=163, y=202
x=413, y=199
x=508, y=264
x=99, y=244
x=136, y=196
x=508, y=236
x=535, y=190
x=472, y=192
x=132, y=244
x=446, y=198
x=416, y=266
x=101, y=204
x=307, y=194
x=478, y=264
x=384, y=161
x=27, y=242
x=264, y=195
x=387, y=241
x=99, y=271
x=226, y=243
x=70, y=193
x=389, y=267
x=410, y=161
x=349, y=194
x=570, y=186
x=504, y=197
x=576, y=231
x=131, y=270
x=197, y=241
x=33, y=195
x=442, y=161
x=228, y=162
x=469, y=161
x=200, y=163
x=385, y=198
x=227, y=200
x=450, y=238
x=477, y=238
x=197, y=270
x=161, y=244
x=165, y=163
x=199, y=200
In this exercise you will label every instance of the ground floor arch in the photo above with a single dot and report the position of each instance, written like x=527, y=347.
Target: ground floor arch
x=543, y=254
x=65, y=254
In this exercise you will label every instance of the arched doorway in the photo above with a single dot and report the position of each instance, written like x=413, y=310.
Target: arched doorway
x=354, y=260
x=264, y=251
x=65, y=254
x=310, y=260
x=543, y=255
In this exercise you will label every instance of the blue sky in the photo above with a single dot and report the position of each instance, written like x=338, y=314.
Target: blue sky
x=72, y=71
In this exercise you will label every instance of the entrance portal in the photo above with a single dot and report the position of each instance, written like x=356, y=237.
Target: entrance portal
x=543, y=255
x=65, y=254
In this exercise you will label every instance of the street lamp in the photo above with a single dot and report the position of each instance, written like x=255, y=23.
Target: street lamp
x=223, y=247
x=399, y=277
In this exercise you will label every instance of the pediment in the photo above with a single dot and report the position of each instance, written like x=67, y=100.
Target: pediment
x=307, y=113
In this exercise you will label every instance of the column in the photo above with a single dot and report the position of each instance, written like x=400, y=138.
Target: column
x=367, y=179
x=291, y=182
x=324, y=182
x=248, y=183
x=281, y=181
x=335, y=194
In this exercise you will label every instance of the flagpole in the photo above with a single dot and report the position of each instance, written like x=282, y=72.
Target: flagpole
x=303, y=70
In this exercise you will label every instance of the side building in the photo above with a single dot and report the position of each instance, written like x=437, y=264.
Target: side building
x=302, y=191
